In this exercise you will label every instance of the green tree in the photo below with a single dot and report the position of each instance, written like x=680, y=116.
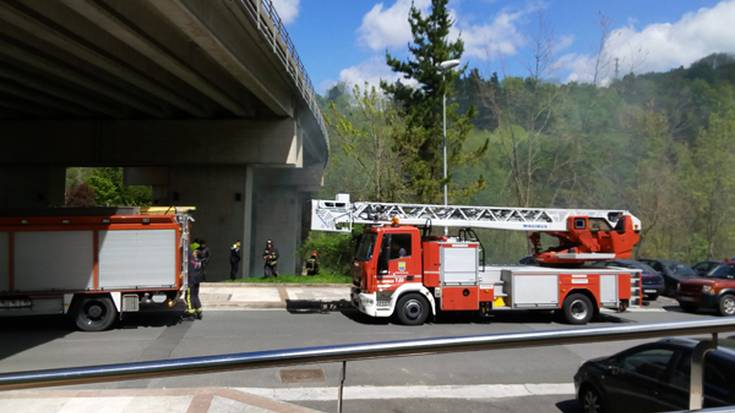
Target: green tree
x=418, y=145
x=711, y=182
x=112, y=191
x=364, y=128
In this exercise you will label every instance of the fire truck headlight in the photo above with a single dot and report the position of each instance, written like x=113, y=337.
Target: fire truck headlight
x=707, y=289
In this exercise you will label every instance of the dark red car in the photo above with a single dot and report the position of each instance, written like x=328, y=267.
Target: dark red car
x=715, y=290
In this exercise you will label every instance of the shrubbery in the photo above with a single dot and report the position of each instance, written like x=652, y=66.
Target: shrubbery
x=336, y=250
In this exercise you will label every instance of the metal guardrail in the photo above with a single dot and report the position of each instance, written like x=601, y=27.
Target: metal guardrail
x=273, y=31
x=362, y=351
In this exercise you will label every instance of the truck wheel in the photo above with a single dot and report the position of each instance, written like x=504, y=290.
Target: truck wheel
x=578, y=309
x=94, y=313
x=727, y=305
x=412, y=309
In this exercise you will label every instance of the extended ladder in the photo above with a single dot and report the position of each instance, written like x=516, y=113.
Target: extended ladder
x=340, y=214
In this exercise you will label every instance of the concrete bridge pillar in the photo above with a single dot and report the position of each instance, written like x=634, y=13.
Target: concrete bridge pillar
x=222, y=196
x=279, y=201
x=248, y=203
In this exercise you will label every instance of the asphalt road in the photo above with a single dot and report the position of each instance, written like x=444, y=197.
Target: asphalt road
x=29, y=344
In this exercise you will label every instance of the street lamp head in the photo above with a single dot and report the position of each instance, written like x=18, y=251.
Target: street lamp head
x=449, y=64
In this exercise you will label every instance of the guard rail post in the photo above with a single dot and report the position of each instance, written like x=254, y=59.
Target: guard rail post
x=696, y=372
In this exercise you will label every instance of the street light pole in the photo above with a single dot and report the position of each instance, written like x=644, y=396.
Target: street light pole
x=444, y=148
x=444, y=67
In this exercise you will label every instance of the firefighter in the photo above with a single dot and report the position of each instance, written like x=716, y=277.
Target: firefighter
x=203, y=257
x=270, y=258
x=193, y=305
x=312, y=264
x=235, y=260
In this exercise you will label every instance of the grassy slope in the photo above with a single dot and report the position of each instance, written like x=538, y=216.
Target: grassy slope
x=297, y=279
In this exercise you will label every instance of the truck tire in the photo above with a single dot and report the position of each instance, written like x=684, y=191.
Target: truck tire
x=727, y=305
x=412, y=309
x=578, y=309
x=94, y=313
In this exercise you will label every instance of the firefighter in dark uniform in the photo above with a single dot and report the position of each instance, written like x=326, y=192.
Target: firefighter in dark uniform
x=235, y=260
x=203, y=257
x=270, y=258
x=312, y=264
x=193, y=305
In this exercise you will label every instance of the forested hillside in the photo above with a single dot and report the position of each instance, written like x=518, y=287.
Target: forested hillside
x=661, y=145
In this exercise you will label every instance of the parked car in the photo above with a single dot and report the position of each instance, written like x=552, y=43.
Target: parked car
x=653, y=281
x=703, y=267
x=528, y=260
x=673, y=272
x=715, y=290
x=654, y=377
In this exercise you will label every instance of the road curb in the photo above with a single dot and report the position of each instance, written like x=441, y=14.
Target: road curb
x=271, y=285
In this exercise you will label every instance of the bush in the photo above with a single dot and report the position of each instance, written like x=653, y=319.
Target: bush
x=336, y=250
x=80, y=195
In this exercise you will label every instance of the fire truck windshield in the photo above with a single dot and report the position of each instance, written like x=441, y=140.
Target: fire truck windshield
x=365, y=247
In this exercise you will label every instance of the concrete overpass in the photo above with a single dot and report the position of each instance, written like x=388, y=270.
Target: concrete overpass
x=206, y=100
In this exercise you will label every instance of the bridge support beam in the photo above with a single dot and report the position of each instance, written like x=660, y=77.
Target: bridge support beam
x=153, y=143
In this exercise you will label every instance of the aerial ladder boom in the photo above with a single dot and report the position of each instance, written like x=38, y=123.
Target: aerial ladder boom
x=584, y=234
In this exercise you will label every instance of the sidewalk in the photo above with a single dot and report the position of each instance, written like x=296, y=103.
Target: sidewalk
x=199, y=400
x=252, y=296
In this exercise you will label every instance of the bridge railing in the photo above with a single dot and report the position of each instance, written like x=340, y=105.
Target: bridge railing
x=362, y=351
x=273, y=31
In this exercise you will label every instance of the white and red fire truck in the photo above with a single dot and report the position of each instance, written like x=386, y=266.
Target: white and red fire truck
x=93, y=264
x=401, y=270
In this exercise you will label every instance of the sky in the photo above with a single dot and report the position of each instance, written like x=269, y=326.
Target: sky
x=346, y=40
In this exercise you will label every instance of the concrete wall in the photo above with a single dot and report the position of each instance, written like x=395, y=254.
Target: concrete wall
x=31, y=186
x=220, y=194
x=277, y=216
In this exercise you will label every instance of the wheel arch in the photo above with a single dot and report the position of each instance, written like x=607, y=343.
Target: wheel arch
x=586, y=293
x=115, y=296
x=412, y=288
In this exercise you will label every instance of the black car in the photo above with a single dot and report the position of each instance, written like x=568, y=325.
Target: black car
x=653, y=281
x=673, y=272
x=704, y=267
x=654, y=377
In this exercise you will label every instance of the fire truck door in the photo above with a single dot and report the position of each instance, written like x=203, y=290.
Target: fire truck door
x=398, y=258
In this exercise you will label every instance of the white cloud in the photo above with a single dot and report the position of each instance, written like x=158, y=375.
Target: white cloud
x=659, y=46
x=287, y=9
x=388, y=27
x=371, y=71
x=498, y=37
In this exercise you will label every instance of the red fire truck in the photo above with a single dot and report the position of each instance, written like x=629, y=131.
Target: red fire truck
x=401, y=270
x=93, y=264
